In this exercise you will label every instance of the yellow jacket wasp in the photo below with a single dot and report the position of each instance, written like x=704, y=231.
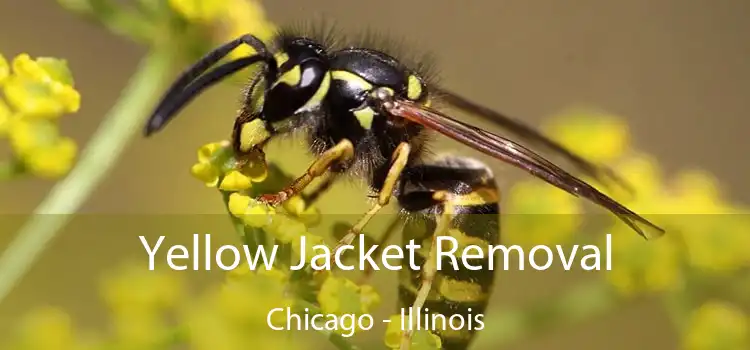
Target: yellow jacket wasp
x=365, y=113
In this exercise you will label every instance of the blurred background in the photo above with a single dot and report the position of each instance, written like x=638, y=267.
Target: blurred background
x=675, y=71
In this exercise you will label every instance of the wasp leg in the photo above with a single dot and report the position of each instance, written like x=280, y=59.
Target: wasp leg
x=341, y=152
x=323, y=187
x=429, y=268
x=398, y=163
x=454, y=198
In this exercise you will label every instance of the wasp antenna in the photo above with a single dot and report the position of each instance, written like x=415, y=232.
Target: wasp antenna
x=170, y=107
x=190, y=82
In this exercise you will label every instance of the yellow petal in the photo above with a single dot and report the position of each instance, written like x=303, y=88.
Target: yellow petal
x=40, y=99
x=596, y=136
x=207, y=151
x=25, y=66
x=257, y=215
x=541, y=214
x=311, y=240
x=27, y=135
x=287, y=229
x=247, y=17
x=201, y=11
x=5, y=117
x=205, y=172
x=235, y=181
x=717, y=325
x=4, y=69
x=56, y=326
x=52, y=162
x=294, y=205
x=238, y=204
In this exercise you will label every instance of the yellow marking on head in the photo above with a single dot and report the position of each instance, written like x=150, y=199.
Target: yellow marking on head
x=291, y=77
x=480, y=196
x=428, y=102
x=351, y=78
x=252, y=134
x=413, y=88
x=365, y=117
x=460, y=291
x=281, y=58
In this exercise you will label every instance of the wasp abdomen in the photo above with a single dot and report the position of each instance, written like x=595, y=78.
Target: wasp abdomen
x=454, y=307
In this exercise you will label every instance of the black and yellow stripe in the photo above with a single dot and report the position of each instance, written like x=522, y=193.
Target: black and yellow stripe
x=472, y=203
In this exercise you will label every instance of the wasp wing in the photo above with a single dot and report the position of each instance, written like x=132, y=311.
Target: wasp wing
x=517, y=155
x=528, y=133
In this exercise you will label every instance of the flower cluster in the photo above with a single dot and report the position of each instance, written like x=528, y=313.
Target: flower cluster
x=37, y=92
x=241, y=181
x=232, y=18
x=154, y=309
x=718, y=325
x=706, y=234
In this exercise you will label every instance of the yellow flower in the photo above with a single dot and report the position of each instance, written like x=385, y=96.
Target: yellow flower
x=138, y=328
x=215, y=161
x=133, y=287
x=643, y=173
x=250, y=211
x=6, y=116
x=206, y=173
x=421, y=339
x=339, y=295
x=4, y=69
x=44, y=69
x=538, y=213
x=43, y=151
x=207, y=152
x=28, y=135
x=42, y=87
x=245, y=17
x=596, y=136
x=48, y=329
x=37, y=93
x=717, y=243
x=249, y=299
x=235, y=181
x=236, y=314
x=286, y=229
x=207, y=168
x=711, y=229
x=640, y=266
x=201, y=11
x=53, y=161
x=297, y=207
x=311, y=240
x=717, y=326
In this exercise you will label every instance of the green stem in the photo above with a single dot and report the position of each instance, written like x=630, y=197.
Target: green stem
x=121, y=124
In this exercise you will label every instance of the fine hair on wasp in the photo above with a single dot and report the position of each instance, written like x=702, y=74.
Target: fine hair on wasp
x=367, y=113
